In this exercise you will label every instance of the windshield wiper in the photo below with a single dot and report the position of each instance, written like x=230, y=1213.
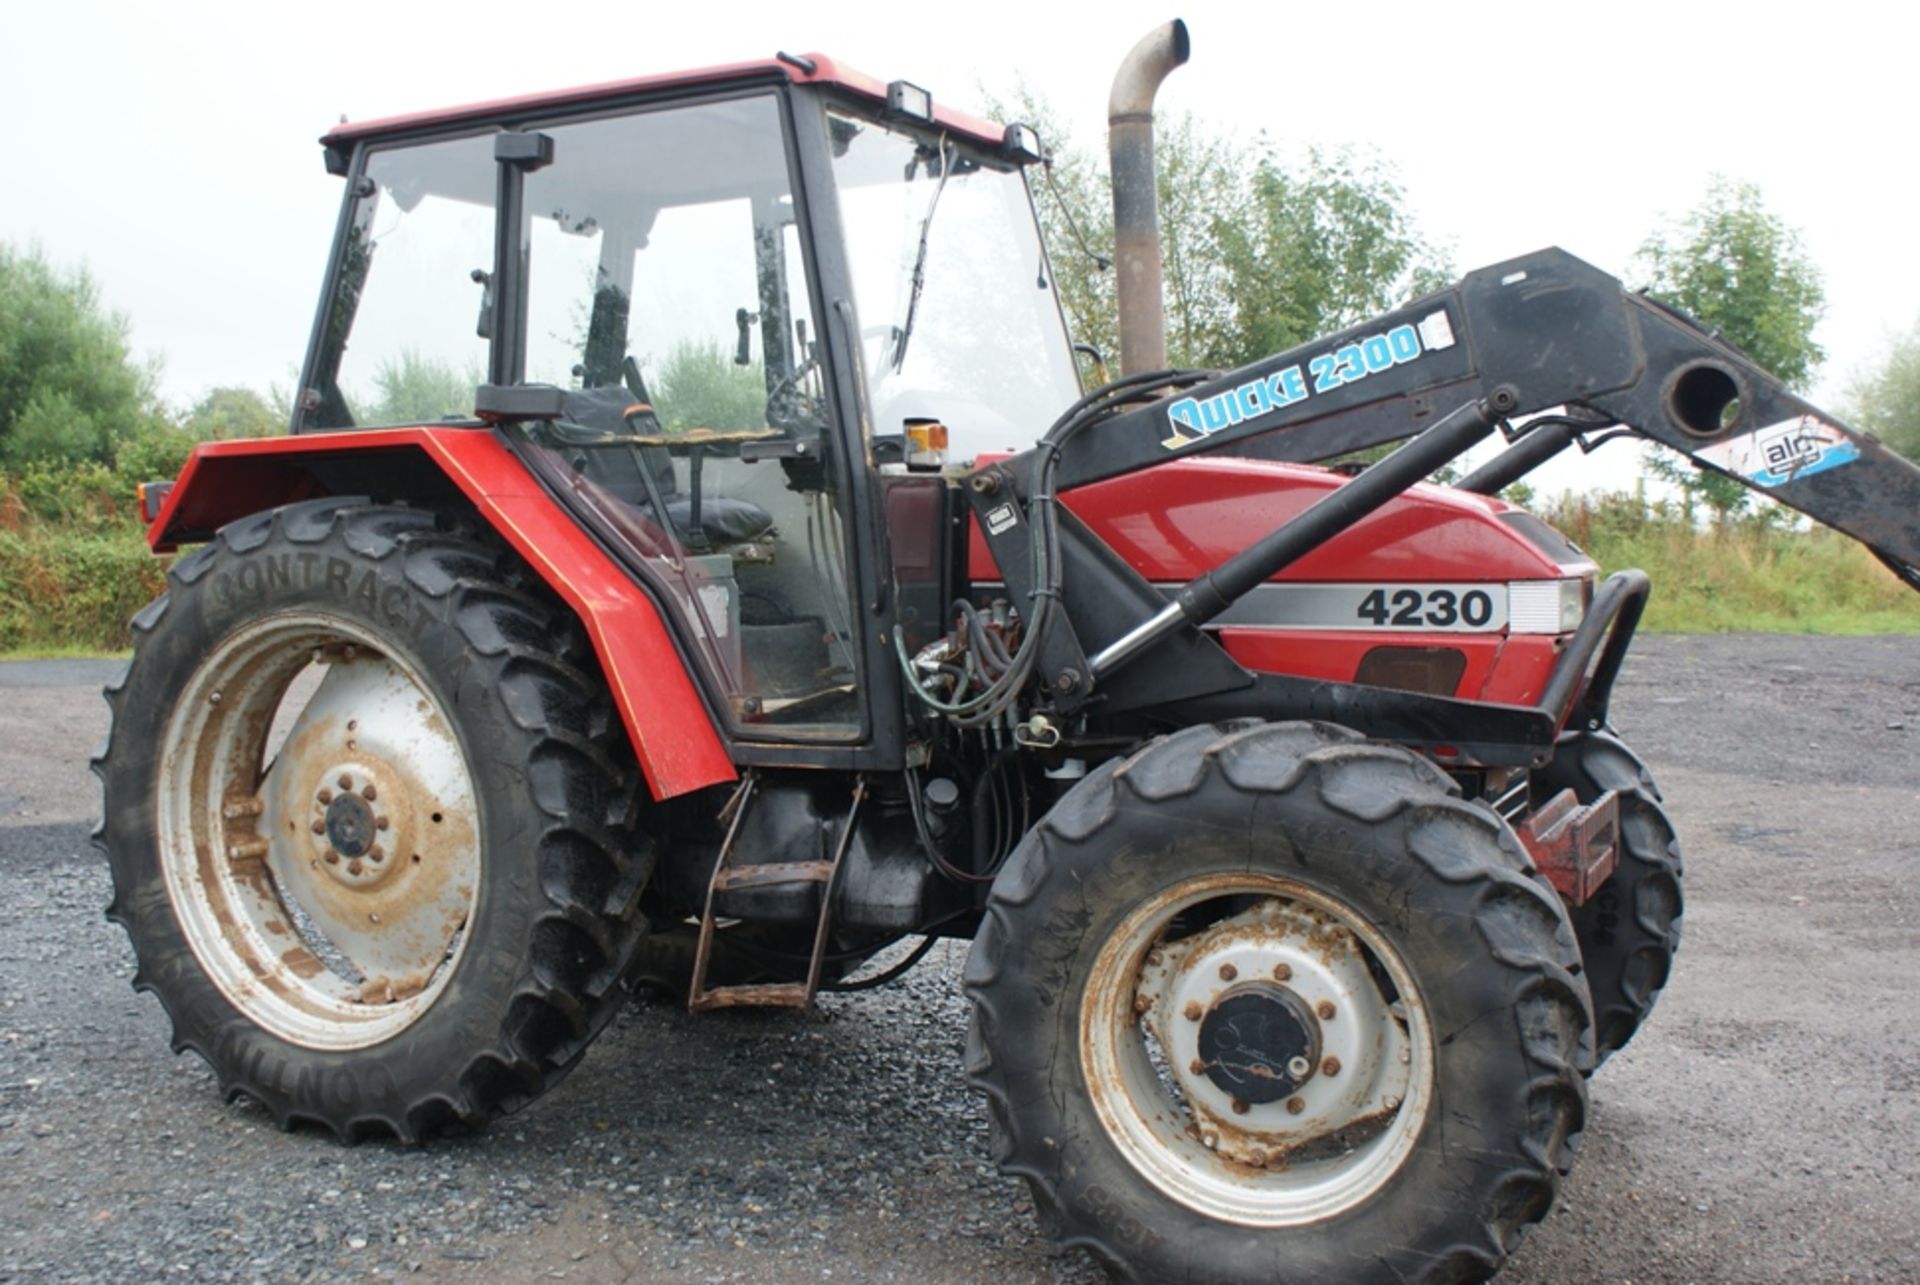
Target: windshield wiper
x=947, y=157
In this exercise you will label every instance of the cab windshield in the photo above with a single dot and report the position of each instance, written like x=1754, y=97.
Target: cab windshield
x=958, y=315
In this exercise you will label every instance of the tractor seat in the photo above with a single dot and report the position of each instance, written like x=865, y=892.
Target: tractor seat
x=723, y=519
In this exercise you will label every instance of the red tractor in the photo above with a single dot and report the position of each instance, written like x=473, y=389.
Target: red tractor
x=694, y=560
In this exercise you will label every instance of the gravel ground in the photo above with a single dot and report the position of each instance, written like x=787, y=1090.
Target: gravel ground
x=1762, y=1128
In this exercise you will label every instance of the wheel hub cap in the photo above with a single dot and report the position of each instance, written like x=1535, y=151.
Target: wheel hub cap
x=349, y=825
x=1259, y=1043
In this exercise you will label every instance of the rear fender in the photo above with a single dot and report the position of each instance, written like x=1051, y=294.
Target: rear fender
x=673, y=734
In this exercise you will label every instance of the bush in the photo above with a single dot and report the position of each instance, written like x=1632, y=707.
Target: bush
x=1757, y=573
x=66, y=588
x=74, y=564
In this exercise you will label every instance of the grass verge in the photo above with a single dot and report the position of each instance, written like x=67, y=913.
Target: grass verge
x=1751, y=575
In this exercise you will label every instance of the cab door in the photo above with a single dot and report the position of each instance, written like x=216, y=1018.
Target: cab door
x=669, y=295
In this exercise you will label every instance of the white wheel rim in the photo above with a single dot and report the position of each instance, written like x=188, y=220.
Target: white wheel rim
x=326, y=893
x=1327, y=1145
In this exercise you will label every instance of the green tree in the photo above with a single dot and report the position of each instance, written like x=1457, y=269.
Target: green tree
x=413, y=388
x=1886, y=399
x=68, y=383
x=231, y=412
x=1320, y=247
x=1260, y=254
x=699, y=386
x=1739, y=269
x=1735, y=266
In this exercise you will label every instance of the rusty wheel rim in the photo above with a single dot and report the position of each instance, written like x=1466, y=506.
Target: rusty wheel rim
x=1312, y=1125
x=317, y=830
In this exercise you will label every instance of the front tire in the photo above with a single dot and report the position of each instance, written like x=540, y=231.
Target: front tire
x=1629, y=930
x=1273, y=1003
x=371, y=829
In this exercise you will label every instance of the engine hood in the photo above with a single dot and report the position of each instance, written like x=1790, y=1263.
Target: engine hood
x=1181, y=518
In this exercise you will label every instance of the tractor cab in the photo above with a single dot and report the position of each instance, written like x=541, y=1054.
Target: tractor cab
x=736, y=294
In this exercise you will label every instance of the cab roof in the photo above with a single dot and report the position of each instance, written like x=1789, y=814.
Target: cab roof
x=799, y=69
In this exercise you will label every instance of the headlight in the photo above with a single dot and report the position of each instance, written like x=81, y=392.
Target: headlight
x=907, y=99
x=1547, y=606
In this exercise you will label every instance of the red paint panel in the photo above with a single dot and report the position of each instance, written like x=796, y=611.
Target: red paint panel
x=1336, y=654
x=1504, y=670
x=673, y=735
x=1181, y=518
x=1521, y=670
x=1508, y=671
x=826, y=72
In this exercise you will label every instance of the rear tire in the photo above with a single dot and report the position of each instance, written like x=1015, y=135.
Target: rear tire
x=1629, y=930
x=417, y=908
x=1365, y=909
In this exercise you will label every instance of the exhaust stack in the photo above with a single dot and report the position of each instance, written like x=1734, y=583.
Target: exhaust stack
x=1136, y=203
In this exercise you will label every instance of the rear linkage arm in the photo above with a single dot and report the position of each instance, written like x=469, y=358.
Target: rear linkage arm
x=1543, y=331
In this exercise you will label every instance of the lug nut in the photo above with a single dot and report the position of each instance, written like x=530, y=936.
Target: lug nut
x=1228, y=972
x=345, y=782
x=1296, y=1105
x=354, y=867
x=333, y=858
x=1330, y=1067
x=380, y=823
x=376, y=853
x=325, y=796
x=1239, y=1107
x=1141, y=1003
x=1194, y=1011
x=1325, y=1009
x=369, y=794
x=1283, y=972
x=319, y=827
x=1198, y=1066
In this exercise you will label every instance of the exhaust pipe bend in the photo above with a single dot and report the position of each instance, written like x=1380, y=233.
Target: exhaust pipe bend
x=1136, y=204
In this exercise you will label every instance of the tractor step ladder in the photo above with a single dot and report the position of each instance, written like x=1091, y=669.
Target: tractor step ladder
x=726, y=875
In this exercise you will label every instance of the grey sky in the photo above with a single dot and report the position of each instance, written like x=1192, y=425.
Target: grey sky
x=171, y=146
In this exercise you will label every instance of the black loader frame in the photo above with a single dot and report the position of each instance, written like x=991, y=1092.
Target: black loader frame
x=1532, y=335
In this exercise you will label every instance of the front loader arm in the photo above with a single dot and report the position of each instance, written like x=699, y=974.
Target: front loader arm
x=1720, y=410
x=1528, y=335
